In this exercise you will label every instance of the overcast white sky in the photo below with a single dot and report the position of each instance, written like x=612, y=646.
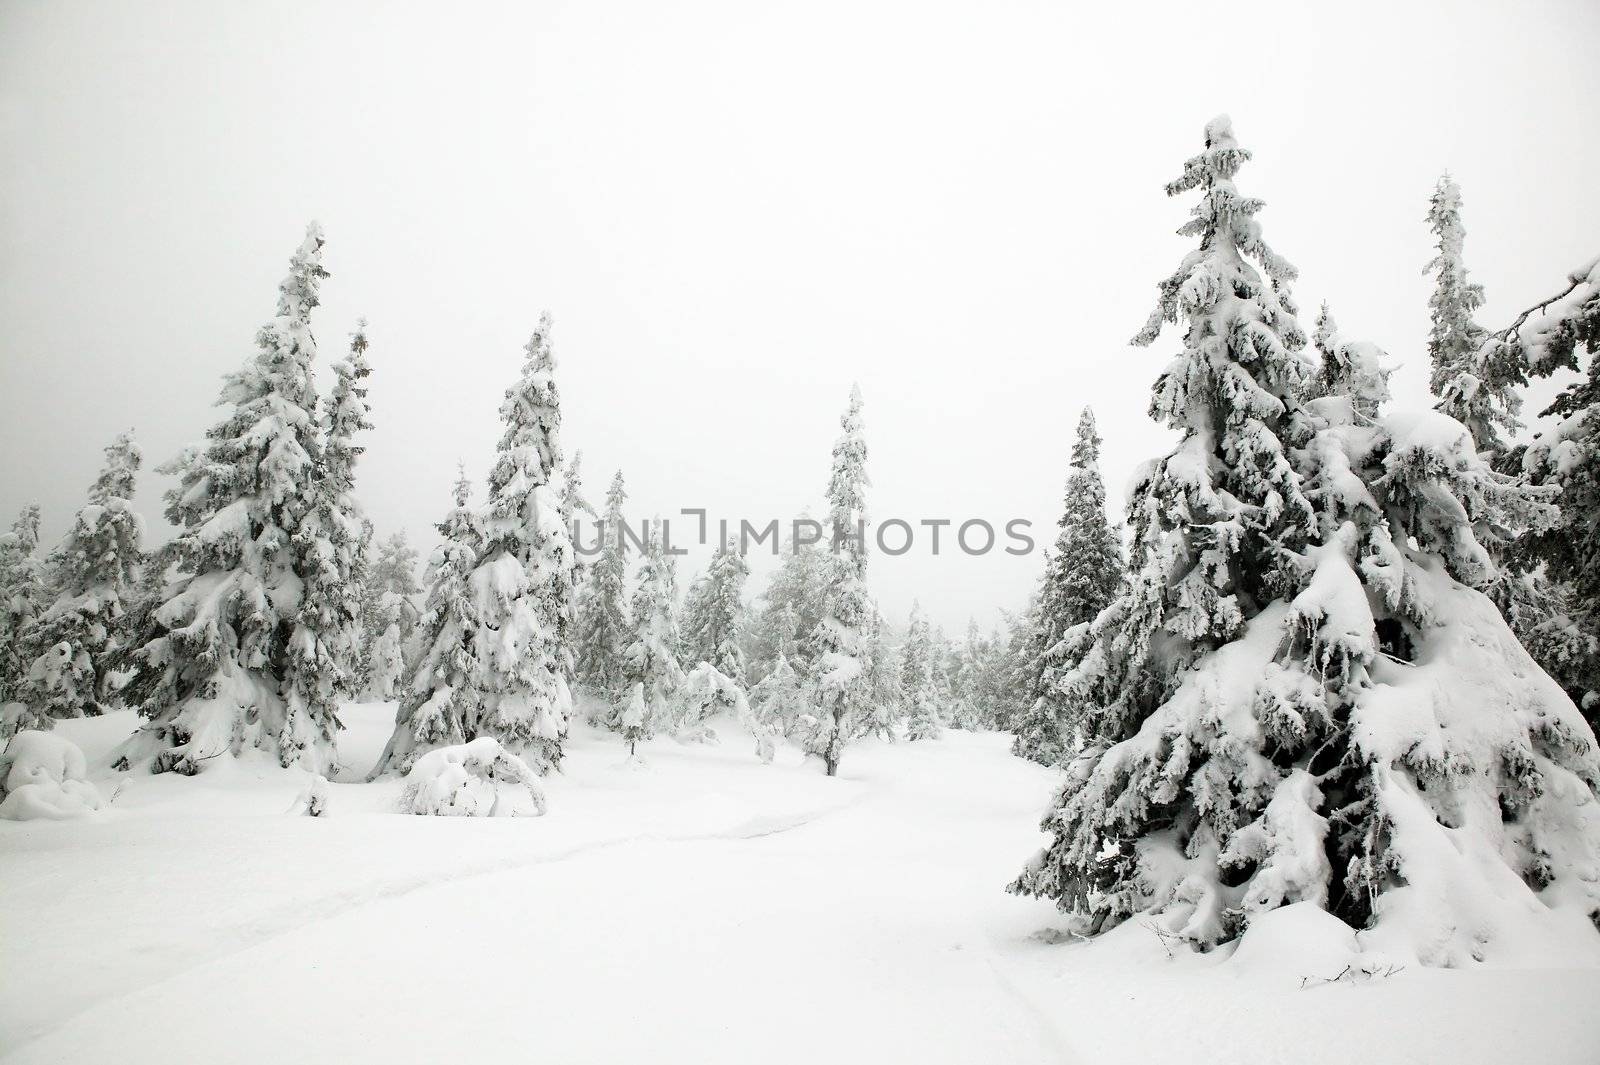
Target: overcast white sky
x=734, y=211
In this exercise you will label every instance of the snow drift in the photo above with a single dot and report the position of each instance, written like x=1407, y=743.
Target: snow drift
x=43, y=777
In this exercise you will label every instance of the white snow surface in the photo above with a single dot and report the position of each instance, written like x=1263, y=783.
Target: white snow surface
x=739, y=911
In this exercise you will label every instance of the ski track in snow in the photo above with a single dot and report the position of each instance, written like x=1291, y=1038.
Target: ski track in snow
x=401, y=939
x=307, y=912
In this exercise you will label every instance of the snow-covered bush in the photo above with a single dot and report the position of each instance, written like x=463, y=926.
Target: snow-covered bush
x=313, y=799
x=477, y=779
x=43, y=778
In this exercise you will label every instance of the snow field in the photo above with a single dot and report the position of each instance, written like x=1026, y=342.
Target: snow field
x=703, y=908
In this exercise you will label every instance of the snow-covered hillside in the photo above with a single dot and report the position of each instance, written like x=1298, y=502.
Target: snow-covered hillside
x=700, y=907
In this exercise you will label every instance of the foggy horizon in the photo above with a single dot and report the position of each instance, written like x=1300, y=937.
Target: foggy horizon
x=734, y=216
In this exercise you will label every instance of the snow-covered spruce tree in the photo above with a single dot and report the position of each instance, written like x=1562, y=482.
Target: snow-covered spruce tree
x=1216, y=526
x=1476, y=382
x=840, y=641
x=573, y=501
x=651, y=658
x=213, y=661
x=971, y=659
x=793, y=604
x=635, y=722
x=1347, y=723
x=775, y=635
x=917, y=680
x=94, y=572
x=22, y=594
x=390, y=616
x=524, y=579
x=885, y=697
x=439, y=706
x=1567, y=455
x=779, y=701
x=692, y=619
x=719, y=617
x=1477, y=377
x=1080, y=577
x=993, y=676
x=603, y=631
x=1014, y=670
x=331, y=545
x=1532, y=605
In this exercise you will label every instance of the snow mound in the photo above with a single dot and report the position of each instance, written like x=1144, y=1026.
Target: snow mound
x=1301, y=939
x=477, y=779
x=43, y=778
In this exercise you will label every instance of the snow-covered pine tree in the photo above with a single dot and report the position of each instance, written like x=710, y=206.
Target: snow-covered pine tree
x=1080, y=577
x=955, y=676
x=714, y=614
x=524, y=579
x=603, y=631
x=439, y=706
x=1477, y=377
x=917, y=679
x=1351, y=368
x=1216, y=525
x=692, y=620
x=993, y=698
x=970, y=657
x=651, y=658
x=94, y=573
x=792, y=605
x=1566, y=454
x=1476, y=383
x=22, y=594
x=573, y=501
x=779, y=700
x=839, y=642
x=1349, y=725
x=635, y=722
x=213, y=660
x=390, y=616
x=885, y=696
x=944, y=667
x=331, y=542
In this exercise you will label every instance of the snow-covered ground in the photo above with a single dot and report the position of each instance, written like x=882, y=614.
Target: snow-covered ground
x=700, y=908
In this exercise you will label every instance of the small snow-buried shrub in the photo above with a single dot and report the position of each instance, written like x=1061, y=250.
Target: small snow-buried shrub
x=313, y=801
x=43, y=777
x=477, y=779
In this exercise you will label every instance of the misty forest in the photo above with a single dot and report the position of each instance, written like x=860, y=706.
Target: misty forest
x=1292, y=757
